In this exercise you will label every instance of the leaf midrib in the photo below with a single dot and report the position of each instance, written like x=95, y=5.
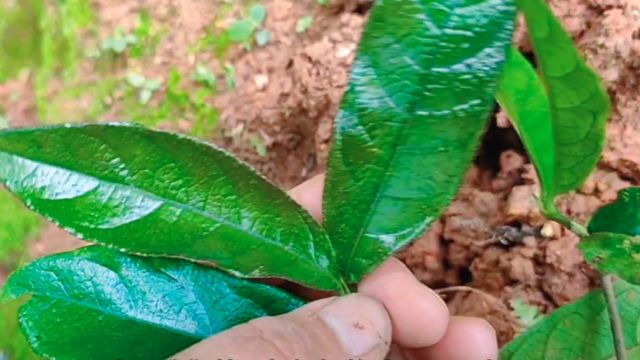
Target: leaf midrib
x=178, y=205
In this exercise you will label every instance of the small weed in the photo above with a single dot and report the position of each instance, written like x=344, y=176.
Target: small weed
x=304, y=24
x=230, y=75
x=146, y=87
x=204, y=76
x=243, y=30
x=528, y=315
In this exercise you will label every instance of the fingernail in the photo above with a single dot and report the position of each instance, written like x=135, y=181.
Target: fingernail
x=359, y=322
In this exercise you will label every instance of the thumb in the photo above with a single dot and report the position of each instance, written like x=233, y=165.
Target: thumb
x=354, y=326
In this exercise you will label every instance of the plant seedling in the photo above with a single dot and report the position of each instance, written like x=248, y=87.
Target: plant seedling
x=243, y=30
x=146, y=87
x=157, y=205
x=118, y=43
x=205, y=76
x=304, y=23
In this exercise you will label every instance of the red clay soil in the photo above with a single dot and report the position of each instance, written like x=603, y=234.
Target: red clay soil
x=492, y=238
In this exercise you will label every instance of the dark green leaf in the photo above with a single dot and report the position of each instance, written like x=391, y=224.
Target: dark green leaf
x=614, y=246
x=419, y=97
x=522, y=95
x=579, y=104
x=621, y=217
x=97, y=303
x=614, y=254
x=581, y=330
x=156, y=193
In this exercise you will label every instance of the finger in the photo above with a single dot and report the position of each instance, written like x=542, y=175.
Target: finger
x=418, y=315
x=309, y=195
x=354, y=326
x=467, y=338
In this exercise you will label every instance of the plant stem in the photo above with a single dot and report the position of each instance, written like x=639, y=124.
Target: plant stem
x=614, y=317
x=551, y=212
x=344, y=288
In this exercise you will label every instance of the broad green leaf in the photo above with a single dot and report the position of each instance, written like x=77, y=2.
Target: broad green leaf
x=581, y=330
x=614, y=246
x=579, y=104
x=420, y=94
x=614, y=254
x=162, y=194
x=97, y=303
x=241, y=30
x=621, y=217
x=522, y=95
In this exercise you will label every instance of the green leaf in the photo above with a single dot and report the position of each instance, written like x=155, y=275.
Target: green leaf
x=304, y=23
x=241, y=30
x=581, y=330
x=136, y=80
x=418, y=101
x=579, y=104
x=621, y=217
x=263, y=37
x=614, y=246
x=162, y=194
x=205, y=76
x=614, y=254
x=97, y=303
x=522, y=95
x=258, y=13
x=528, y=315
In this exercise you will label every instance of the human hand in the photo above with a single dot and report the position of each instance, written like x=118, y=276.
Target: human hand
x=392, y=316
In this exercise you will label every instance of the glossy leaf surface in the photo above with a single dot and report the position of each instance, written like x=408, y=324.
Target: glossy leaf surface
x=614, y=254
x=157, y=193
x=621, y=217
x=579, y=104
x=97, y=303
x=522, y=95
x=581, y=330
x=420, y=93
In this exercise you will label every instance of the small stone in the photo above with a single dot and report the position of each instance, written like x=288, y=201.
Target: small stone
x=547, y=230
x=261, y=81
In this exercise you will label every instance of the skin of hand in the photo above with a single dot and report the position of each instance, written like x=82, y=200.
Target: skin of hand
x=393, y=316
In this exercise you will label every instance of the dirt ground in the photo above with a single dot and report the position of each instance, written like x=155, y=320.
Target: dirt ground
x=492, y=245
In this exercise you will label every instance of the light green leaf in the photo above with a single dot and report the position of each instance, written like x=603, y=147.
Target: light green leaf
x=157, y=193
x=581, y=330
x=258, y=13
x=418, y=102
x=614, y=254
x=136, y=80
x=263, y=37
x=97, y=303
x=205, y=76
x=522, y=95
x=145, y=96
x=579, y=104
x=241, y=30
x=528, y=315
x=304, y=23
